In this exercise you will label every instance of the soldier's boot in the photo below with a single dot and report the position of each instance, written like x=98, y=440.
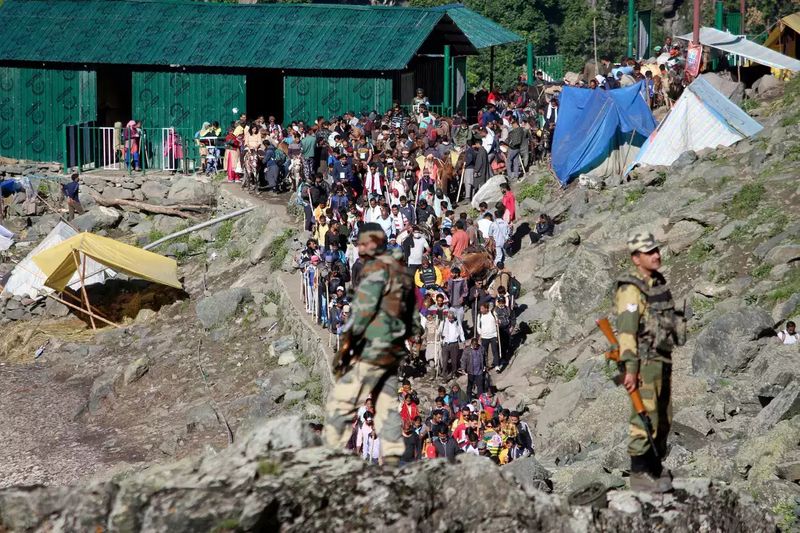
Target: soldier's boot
x=658, y=471
x=643, y=478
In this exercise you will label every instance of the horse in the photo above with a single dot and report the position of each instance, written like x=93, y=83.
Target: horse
x=477, y=262
x=251, y=166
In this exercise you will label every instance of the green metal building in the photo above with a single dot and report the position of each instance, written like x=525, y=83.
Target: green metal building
x=179, y=63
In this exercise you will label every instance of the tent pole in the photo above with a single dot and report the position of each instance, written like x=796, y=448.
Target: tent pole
x=73, y=306
x=82, y=270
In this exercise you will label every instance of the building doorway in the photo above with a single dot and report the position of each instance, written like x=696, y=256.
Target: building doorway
x=114, y=95
x=265, y=94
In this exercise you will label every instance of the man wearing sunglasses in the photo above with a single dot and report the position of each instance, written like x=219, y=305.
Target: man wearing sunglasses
x=647, y=333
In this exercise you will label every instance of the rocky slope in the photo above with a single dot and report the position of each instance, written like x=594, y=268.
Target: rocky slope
x=109, y=413
x=728, y=220
x=278, y=478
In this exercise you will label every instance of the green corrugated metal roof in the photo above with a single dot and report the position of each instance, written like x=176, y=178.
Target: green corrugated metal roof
x=166, y=32
x=481, y=31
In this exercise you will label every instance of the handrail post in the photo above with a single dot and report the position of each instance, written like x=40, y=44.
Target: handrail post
x=65, y=144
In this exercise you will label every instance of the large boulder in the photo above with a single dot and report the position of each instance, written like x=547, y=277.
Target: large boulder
x=490, y=191
x=725, y=346
x=683, y=235
x=784, y=406
x=530, y=474
x=579, y=293
x=723, y=83
x=216, y=309
x=768, y=86
x=191, y=191
x=272, y=231
x=154, y=191
x=117, y=193
x=97, y=218
x=773, y=369
x=781, y=255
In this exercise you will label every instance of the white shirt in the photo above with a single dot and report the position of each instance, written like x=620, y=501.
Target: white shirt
x=372, y=214
x=387, y=224
x=487, y=326
x=499, y=232
x=788, y=339
x=488, y=141
x=451, y=331
x=417, y=250
x=372, y=448
x=399, y=222
x=484, y=226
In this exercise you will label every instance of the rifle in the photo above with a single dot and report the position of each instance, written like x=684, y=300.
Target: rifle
x=636, y=397
x=349, y=350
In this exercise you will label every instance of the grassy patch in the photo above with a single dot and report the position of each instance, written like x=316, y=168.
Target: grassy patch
x=229, y=524
x=155, y=234
x=235, y=253
x=535, y=191
x=269, y=468
x=784, y=512
x=700, y=251
x=745, y=202
x=748, y=105
x=777, y=217
x=314, y=389
x=702, y=305
x=761, y=271
x=279, y=249
x=224, y=234
x=633, y=196
x=554, y=369
x=787, y=287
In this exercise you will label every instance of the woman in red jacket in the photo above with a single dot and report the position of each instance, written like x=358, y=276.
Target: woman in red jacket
x=408, y=409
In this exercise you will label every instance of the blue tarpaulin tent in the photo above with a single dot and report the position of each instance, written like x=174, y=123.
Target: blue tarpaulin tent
x=595, y=126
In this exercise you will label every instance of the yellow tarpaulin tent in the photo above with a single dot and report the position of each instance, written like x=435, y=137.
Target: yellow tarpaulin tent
x=59, y=265
x=62, y=261
x=782, y=40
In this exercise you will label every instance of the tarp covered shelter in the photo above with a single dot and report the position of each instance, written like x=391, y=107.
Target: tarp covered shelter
x=701, y=118
x=59, y=265
x=785, y=35
x=27, y=279
x=740, y=46
x=598, y=131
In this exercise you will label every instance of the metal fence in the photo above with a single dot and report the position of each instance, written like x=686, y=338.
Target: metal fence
x=551, y=66
x=433, y=108
x=88, y=147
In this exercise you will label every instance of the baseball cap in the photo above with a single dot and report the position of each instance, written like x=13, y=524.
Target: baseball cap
x=641, y=241
x=339, y=288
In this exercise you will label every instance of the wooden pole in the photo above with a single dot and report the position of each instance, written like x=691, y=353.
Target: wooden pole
x=696, y=23
x=73, y=306
x=81, y=266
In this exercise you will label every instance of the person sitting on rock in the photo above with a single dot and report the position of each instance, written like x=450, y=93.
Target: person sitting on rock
x=789, y=335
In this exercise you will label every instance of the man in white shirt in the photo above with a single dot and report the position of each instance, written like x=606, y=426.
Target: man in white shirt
x=399, y=220
x=485, y=224
x=418, y=248
x=488, y=141
x=386, y=222
x=487, y=331
x=451, y=334
x=373, y=212
x=789, y=335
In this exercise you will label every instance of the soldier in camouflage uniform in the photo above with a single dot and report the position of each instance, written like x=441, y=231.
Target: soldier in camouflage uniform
x=647, y=332
x=382, y=318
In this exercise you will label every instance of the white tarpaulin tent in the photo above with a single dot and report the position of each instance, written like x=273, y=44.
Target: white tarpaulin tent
x=701, y=118
x=27, y=279
x=740, y=46
x=6, y=239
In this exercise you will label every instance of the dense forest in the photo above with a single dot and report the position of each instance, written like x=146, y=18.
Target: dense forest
x=565, y=27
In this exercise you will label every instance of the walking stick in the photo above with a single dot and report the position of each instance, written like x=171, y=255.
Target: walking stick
x=461, y=183
x=499, y=339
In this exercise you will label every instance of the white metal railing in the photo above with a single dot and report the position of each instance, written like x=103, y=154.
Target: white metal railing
x=109, y=152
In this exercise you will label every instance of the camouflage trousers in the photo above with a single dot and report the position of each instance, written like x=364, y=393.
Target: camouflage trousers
x=655, y=386
x=350, y=392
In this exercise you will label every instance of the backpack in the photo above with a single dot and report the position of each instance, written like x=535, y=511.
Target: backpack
x=514, y=287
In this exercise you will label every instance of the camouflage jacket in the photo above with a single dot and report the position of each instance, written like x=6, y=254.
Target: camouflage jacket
x=646, y=319
x=383, y=313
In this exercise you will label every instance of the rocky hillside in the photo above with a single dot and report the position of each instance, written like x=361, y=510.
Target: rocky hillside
x=279, y=478
x=729, y=221
x=109, y=414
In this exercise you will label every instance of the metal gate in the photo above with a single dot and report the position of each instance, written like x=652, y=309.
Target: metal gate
x=551, y=66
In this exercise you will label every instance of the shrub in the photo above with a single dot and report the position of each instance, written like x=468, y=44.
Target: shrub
x=746, y=201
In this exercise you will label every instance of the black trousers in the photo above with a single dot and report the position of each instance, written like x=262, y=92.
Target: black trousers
x=450, y=356
x=496, y=358
x=477, y=382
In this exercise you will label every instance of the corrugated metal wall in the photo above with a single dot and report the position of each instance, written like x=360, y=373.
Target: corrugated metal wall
x=306, y=98
x=179, y=99
x=35, y=104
